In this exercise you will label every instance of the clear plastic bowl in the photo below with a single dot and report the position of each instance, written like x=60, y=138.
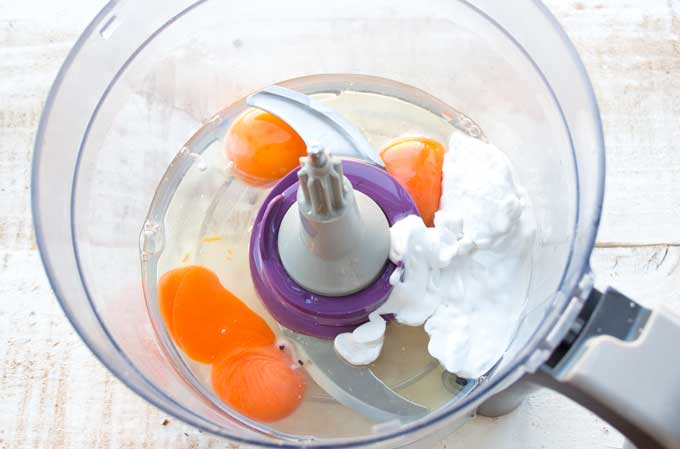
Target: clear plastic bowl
x=100, y=153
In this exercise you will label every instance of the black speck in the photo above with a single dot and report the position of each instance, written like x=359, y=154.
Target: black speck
x=282, y=347
x=237, y=43
x=186, y=434
x=300, y=363
x=165, y=422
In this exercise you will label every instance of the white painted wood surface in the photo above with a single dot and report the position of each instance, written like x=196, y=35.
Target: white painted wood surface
x=54, y=393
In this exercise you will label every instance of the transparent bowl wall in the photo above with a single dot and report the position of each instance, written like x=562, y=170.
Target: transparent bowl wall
x=100, y=152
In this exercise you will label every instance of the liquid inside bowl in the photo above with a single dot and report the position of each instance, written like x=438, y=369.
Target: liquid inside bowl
x=205, y=214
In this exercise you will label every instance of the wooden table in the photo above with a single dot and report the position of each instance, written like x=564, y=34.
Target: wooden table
x=54, y=394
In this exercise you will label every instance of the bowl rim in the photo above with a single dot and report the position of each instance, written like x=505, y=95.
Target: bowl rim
x=413, y=431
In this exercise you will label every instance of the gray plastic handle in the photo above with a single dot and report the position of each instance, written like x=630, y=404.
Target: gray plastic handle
x=624, y=365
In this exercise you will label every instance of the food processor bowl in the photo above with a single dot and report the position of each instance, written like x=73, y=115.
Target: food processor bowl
x=144, y=76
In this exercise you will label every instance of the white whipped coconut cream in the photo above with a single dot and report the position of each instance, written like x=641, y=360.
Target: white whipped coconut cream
x=465, y=279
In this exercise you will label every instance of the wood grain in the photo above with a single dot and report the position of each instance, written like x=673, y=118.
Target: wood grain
x=632, y=52
x=55, y=394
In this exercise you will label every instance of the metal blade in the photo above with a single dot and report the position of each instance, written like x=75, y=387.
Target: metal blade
x=353, y=386
x=316, y=123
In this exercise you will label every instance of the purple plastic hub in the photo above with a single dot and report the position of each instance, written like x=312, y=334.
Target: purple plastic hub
x=291, y=305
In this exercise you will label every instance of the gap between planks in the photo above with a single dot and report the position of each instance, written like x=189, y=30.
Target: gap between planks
x=635, y=245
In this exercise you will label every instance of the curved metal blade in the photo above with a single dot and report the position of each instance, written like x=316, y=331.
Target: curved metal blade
x=353, y=386
x=316, y=123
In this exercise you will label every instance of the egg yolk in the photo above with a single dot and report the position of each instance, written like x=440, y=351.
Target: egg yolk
x=416, y=162
x=262, y=147
x=213, y=326
x=261, y=383
x=207, y=320
x=167, y=290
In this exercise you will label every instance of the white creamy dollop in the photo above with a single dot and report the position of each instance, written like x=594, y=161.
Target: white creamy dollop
x=362, y=346
x=466, y=278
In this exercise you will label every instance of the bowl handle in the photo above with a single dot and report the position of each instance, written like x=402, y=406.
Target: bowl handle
x=622, y=361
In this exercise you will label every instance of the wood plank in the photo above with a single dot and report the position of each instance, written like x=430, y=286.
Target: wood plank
x=55, y=394
x=632, y=52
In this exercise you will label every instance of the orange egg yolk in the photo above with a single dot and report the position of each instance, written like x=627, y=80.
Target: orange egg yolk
x=213, y=326
x=416, y=162
x=261, y=383
x=207, y=320
x=167, y=290
x=262, y=147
